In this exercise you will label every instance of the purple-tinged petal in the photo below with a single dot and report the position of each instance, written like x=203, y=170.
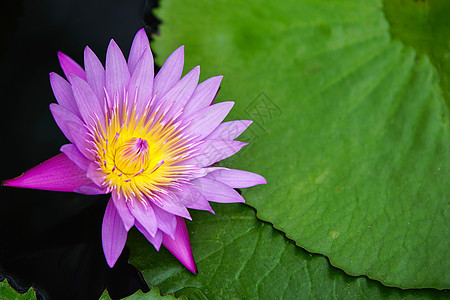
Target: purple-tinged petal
x=203, y=95
x=206, y=120
x=229, y=130
x=155, y=240
x=190, y=197
x=95, y=174
x=169, y=74
x=95, y=74
x=171, y=204
x=58, y=173
x=76, y=156
x=63, y=93
x=181, y=92
x=80, y=138
x=140, y=43
x=117, y=73
x=124, y=212
x=180, y=246
x=236, y=178
x=114, y=235
x=167, y=222
x=62, y=116
x=90, y=109
x=215, y=150
x=144, y=214
x=69, y=66
x=141, y=83
x=216, y=191
x=91, y=189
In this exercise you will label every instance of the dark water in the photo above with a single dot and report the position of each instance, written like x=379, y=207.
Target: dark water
x=51, y=240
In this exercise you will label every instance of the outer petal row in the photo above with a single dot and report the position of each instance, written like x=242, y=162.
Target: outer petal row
x=180, y=246
x=58, y=173
x=169, y=74
x=114, y=234
x=236, y=178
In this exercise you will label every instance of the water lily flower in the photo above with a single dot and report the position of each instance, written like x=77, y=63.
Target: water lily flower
x=147, y=140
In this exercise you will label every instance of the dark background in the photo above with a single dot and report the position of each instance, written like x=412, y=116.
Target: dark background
x=51, y=240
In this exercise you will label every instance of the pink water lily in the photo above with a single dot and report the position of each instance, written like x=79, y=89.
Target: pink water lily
x=147, y=140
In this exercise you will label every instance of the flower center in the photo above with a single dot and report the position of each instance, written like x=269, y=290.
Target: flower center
x=132, y=157
x=142, y=155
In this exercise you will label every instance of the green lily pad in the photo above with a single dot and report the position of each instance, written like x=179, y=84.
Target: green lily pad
x=153, y=294
x=351, y=125
x=8, y=293
x=239, y=257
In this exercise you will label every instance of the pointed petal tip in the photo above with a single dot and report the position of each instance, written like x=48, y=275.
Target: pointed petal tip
x=112, y=44
x=141, y=31
x=87, y=52
x=60, y=54
x=6, y=182
x=193, y=269
x=110, y=261
x=179, y=51
x=52, y=106
x=180, y=247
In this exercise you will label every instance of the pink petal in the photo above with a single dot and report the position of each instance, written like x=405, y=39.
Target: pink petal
x=95, y=74
x=155, y=240
x=95, y=174
x=117, y=73
x=216, y=191
x=81, y=138
x=124, y=212
x=169, y=74
x=141, y=83
x=114, y=235
x=203, y=95
x=172, y=204
x=58, y=173
x=236, y=178
x=63, y=93
x=89, y=106
x=144, y=214
x=91, y=189
x=215, y=150
x=180, y=246
x=192, y=198
x=206, y=120
x=62, y=116
x=181, y=92
x=69, y=66
x=167, y=222
x=229, y=130
x=76, y=156
x=139, y=45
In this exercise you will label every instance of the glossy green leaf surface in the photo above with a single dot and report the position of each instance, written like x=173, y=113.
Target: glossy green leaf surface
x=239, y=257
x=153, y=294
x=351, y=126
x=8, y=293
